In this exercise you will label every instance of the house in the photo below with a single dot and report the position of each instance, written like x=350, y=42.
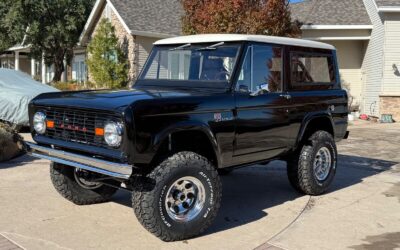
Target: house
x=138, y=24
x=17, y=57
x=366, y=34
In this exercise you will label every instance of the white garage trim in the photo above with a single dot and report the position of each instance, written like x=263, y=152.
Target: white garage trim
x=337, y=27
x=338, y=38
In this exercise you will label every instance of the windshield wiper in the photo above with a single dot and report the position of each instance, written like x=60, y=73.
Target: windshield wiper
x=212, y=47
x=181, y=47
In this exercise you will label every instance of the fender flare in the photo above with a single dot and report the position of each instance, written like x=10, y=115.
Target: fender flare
x=309, y=118
x=188, y=126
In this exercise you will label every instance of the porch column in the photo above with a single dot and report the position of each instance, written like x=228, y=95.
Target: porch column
x=43, y=71
x=64, y=73
x=33, y=68
x=16, y=65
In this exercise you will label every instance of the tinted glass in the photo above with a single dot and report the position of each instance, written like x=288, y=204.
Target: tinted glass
x=261, y=69
x=312, y=69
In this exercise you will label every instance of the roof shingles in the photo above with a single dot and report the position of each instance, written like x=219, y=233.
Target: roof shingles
x=153, y=16
x=328, y=12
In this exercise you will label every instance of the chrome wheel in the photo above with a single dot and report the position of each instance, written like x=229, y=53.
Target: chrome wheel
x=322, y=164
x=82, y=176
x=185, y=199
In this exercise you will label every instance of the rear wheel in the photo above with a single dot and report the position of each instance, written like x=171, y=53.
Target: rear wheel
x=75, y=185
x=312, y=169
x=179, y=199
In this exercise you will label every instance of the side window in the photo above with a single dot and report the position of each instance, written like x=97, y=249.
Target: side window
x=261, y=69
x=309, y=70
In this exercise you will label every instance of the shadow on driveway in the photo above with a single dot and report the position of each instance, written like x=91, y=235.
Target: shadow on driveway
x=249, y=192
x=17, y=162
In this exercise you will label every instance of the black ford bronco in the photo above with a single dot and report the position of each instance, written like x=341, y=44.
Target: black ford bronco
x=202, y=106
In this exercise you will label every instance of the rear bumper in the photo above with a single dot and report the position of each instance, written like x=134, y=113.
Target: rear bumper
x=117, y=170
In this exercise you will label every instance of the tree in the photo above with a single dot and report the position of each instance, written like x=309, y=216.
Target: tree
x=107, y=63
x=51, y=28
x=11, y=32
x=266, y=17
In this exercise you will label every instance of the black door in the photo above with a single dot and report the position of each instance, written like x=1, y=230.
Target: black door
x=262, y=119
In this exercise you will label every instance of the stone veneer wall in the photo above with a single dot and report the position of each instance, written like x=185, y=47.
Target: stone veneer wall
x=390, y=105
x=128, y=45
x=126, y=40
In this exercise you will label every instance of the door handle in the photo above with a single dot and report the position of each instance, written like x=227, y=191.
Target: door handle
x=286, y=96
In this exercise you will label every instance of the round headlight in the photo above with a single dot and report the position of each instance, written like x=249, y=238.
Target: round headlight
x=113, y=134
x=39, y=122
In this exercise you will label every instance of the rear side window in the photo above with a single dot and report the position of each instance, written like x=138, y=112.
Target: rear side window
x=309, y=70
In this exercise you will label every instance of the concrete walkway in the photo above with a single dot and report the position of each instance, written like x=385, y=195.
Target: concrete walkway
x=259, y=208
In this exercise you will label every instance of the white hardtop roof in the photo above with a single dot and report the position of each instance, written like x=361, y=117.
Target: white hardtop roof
x=211, y=38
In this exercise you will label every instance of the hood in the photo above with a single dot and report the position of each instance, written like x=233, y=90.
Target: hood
x=109, y=100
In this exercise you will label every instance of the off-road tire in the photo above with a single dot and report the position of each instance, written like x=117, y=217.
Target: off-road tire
x=64, y=182
x=300, y=165
x=149, y=194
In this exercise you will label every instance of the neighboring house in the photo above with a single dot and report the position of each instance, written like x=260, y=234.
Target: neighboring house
x=138, y=24
x=17, y=57
x=366, y=34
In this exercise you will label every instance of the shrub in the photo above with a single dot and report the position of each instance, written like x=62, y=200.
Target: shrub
x=74, y=86
x=10, y=143
x=65, y=86
x=107, y=64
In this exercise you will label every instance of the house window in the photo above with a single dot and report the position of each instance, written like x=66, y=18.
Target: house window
x=79, y=69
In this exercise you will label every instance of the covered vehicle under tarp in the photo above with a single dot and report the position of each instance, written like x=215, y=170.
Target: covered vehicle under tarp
x=17, y=89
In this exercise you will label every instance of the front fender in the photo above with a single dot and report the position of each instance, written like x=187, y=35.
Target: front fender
x=187, y=126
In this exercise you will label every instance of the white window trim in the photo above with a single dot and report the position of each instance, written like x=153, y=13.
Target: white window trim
x=337, y=27
x=388, y=9
x=344, y=38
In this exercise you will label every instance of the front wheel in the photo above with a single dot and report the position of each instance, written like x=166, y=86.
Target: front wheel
x=179, y=199
x=311, y=169
x=74, y=185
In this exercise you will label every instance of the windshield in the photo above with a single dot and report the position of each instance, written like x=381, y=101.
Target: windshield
x=202, y=63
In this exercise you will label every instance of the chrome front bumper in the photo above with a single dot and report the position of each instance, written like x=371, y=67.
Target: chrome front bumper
x=118, y=170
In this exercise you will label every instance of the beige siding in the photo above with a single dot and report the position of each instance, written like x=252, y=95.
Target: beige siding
x=391, y=79
x=373, y=62
x=350, y=57
x=145, y=44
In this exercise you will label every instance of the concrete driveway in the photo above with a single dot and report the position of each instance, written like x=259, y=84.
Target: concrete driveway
x=259, y=208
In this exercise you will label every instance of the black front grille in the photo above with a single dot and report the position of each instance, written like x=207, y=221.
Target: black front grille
x=77, y=125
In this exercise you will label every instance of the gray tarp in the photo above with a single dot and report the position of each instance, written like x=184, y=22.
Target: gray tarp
x=17, y=89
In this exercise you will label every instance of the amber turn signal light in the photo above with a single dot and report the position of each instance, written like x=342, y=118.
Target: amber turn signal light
x=99, y=131
x=50, y=124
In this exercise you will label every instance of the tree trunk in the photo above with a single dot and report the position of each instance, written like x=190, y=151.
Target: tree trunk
x=58, y=66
